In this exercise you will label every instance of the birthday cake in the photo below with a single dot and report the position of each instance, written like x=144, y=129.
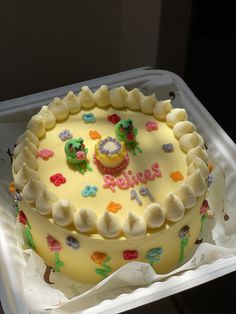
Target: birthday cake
x=110, y=177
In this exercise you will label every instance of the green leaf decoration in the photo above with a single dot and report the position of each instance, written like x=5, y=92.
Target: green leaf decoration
x=59, y=263
x=105, y=270
x=29, y=237
x=184, y=242
x=203, y=219
x=101, y=272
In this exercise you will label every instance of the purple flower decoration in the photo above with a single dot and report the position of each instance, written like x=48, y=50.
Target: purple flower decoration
x=65, y=135
x=184, y=232
x=72, y=242
x=209, y=180
x=168, y=148
x=18, y=196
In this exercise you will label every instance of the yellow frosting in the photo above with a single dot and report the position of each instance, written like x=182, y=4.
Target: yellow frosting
x=48, y=117
x=59, y=108
x=101, y=96
x=85, y=98
x=72, y=102
x=34, y=139
x=130, y=214
x=108, y=160
x=36, y=125
x=26, y=142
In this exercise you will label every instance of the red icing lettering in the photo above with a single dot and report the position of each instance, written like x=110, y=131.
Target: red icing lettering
x=135, y=180
x=156, y=169
x=158, y=173
x=149, y=175
x=141, y=177
x=122, y=183
x=109, y=182
x=128, y=180
x=155, y=166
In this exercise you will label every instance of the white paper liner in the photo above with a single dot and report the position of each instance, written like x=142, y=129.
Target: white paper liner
x=68, y=296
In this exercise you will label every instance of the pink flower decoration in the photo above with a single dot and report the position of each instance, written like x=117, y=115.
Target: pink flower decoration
x=113, y=118
x=53, y=244
x=57, y=179
x=151, y=125
x=45, y=153
x=130, y=254
x=204, y=208
x=80, y=155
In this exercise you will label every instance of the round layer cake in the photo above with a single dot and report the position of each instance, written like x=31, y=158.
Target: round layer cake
x=110, y=177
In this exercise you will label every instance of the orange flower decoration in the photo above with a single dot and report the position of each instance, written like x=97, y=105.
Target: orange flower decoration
x=95, y=135
x=98, y=257
x=114, y=207
x=176, y=176
x=11, y=187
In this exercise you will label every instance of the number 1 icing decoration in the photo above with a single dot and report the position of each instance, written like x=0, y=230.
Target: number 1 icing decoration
x=144, y=191
x=134, y=196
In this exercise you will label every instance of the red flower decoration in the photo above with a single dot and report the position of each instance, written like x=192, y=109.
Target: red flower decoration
x=130, y=254
x=57, y=179
x=53, y=244
x=22, y=218
x=113, y=118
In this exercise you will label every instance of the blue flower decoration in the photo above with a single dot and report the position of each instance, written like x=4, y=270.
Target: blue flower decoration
x=154, y=255
x=65, y=135
x=88, y=117
x=89, y=190
x=72, y=242
x=168, y=148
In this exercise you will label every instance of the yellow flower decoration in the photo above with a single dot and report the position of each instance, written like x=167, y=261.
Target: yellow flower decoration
x=176, y=176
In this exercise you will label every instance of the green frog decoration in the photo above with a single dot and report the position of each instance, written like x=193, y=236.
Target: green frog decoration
x=125, y=132
x=76, y=154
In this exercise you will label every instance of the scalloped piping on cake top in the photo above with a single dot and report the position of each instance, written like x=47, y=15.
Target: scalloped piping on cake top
x=63, y=212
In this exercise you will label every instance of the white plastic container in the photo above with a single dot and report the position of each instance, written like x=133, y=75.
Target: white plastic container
x=13, y=117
